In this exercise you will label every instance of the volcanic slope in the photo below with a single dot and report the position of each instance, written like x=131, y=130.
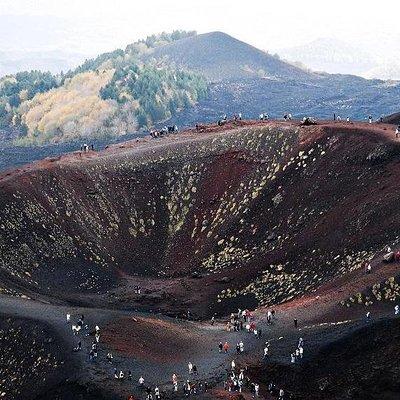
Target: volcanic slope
x=392, y=119
x=219, y=56
x=254, y=214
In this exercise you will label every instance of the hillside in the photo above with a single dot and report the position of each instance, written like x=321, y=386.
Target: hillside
x=219, y=56
x=112, y=95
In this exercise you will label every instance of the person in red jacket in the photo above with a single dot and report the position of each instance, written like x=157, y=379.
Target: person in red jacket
x=226, y=347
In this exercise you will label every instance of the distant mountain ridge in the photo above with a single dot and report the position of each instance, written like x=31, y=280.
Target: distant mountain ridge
x=337, y=56
x=330, y=55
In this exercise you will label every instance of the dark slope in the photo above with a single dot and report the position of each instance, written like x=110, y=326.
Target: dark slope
x=219, y=56
x=392, y=119
x=343, y=95
x=362, y=365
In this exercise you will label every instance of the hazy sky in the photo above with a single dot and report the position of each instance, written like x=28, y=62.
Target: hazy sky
x=92, y=26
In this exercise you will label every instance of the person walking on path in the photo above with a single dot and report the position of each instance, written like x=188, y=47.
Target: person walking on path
x=226, y=347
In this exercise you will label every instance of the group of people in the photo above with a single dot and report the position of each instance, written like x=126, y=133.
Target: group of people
x=298, y=353
x=81, y=326
x=236, y=381
x=86, y=147
x=156, y=133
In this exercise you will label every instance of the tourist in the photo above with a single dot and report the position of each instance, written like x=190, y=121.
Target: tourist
x=241, y=346
x=141, y=381
x=226, y=347
x=266, y=350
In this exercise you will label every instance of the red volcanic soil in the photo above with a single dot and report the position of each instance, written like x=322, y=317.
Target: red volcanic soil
x=152, y=340
x=190, y=215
